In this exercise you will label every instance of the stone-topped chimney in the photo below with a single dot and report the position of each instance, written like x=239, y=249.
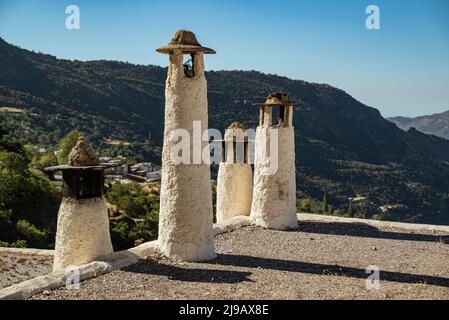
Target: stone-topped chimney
x=274, y=192
x=82, y=233
x=234, y=182
x=186, y=218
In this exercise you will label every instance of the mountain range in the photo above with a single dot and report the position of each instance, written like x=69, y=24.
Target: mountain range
x=436, y=124
x=344, y=149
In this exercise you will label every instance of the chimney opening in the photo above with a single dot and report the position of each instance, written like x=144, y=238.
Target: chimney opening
x=83, y=184
x=189, y=67
x=276, y=115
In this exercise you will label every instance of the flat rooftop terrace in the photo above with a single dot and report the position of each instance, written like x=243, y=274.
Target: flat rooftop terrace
x=16, y=267
x=322, y=260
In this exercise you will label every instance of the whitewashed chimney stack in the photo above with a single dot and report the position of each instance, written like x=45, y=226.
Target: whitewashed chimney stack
x=82, y=233
x=235, y=180
x=186, y=218
x=274, y=192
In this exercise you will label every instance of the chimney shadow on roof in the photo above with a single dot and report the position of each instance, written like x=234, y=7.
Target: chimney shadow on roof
x=366, y=231
x=325, y=270
x=187, y=273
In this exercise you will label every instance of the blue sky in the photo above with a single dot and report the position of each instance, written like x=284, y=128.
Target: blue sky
x=401, y=69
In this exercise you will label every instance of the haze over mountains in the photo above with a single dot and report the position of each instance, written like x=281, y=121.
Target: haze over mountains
x=436, y=124
x=343, y=147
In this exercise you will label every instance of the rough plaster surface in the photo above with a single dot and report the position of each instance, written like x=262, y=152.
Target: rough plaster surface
x=185, y=219
x=231, y=224
x=274, y=194
x=234, y=190
x=27, y=251
x=82, y=232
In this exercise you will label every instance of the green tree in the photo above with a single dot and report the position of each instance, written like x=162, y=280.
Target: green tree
x=140, y=213
x=13, y=180
x=7, y=230
x=7, y=143
x=46, y=160
x=25, y=195
x=66, y=144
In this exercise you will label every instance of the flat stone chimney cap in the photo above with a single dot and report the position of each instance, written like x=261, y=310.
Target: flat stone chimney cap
x=186, y=41
x=277, y=99
x=79, y=168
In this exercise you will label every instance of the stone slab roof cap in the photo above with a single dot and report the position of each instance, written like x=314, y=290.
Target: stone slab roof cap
x=277, y=99
x=236, y=126
x=186, y=41
x=78, y=168
x=83, y=154
x=81, y=157
x=235, y=129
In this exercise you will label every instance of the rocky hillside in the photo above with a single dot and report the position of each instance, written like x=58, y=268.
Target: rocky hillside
x=436, y=124
x=344, y=148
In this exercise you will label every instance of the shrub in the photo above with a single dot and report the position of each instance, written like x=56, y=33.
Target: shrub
x=33, y=235
x=304, y=205
x=19, y=244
